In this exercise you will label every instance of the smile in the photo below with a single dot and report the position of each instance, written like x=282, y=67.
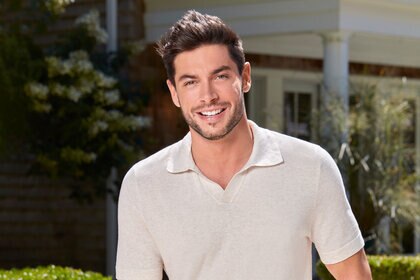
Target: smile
x=211, y=113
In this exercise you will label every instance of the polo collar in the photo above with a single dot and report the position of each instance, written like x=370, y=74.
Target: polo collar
x=266, y=149
x=265, y=152
x=180, y=156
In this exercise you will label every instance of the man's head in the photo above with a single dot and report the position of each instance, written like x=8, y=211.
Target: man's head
x=194, y=30
x=207, y=74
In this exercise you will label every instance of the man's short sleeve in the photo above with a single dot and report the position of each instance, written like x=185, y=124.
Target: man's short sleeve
x=137, y=255
x=335, y=231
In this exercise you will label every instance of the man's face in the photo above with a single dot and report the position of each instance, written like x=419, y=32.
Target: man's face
x=209, y=90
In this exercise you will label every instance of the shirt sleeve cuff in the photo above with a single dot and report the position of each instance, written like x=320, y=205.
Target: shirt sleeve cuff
x=344, y=252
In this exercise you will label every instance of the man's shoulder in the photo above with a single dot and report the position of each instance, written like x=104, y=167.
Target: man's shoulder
x=154, y=164
x=295, y=148
x=287, y=141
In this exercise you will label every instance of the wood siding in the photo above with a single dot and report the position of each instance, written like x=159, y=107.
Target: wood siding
x=130, y=20
x=315, y=65
x=41, y=224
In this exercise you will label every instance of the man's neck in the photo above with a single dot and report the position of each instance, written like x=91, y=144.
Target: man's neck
x=220, y=160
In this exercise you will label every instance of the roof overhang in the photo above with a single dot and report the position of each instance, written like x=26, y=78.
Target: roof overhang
x=384, y=31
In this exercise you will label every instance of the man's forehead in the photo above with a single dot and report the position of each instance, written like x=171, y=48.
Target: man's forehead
x=204, y=58
x=208, y=49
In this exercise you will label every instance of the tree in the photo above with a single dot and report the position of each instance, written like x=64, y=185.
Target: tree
x=79, y=122
x=378, y=162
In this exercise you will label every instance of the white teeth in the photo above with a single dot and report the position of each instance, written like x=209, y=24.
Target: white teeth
x=212, y=113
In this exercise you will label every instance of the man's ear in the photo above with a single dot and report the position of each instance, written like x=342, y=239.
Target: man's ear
x=174, y=94
x=246, y=77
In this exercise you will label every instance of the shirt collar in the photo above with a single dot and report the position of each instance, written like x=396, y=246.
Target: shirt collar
x=265, y=152
x=180, y=156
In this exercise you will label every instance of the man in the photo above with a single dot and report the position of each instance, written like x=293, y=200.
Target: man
x=230, y=201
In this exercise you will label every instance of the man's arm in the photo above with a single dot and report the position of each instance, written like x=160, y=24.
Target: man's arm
x=355, y=267
x=137, y=254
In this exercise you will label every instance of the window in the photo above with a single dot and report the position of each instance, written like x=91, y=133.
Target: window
x=300, y=102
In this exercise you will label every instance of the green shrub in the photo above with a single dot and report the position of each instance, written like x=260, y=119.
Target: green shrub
x=50, y=272
x=385, y=268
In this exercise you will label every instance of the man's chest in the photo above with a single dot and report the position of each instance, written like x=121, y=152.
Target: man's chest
x=196, y=215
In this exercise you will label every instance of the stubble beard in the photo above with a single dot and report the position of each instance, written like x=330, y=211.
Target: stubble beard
x=231, y=124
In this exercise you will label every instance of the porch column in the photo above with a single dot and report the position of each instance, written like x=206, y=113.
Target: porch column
x=111, y=189
x=336, y=65
x=334, y=95
x=112, y=24
x=417, y=223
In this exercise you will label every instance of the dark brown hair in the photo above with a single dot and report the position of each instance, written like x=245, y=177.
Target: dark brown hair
x=194, y=30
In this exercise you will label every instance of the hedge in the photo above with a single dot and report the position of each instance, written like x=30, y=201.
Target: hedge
x=50, y=272
x=384, y=268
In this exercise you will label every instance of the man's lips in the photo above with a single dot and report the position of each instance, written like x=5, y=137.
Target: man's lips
x=211, y=113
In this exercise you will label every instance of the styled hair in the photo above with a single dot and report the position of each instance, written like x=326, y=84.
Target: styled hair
x=194, y=30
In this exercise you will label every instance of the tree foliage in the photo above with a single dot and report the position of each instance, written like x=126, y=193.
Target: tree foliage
x=69, y=108
x=30, y=16
x=377, y=157
x=20, y=62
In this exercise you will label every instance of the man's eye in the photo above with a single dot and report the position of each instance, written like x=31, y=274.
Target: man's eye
x=222, y=77
x=189, y=83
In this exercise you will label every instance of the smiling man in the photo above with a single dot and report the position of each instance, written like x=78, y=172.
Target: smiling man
x=230, y=201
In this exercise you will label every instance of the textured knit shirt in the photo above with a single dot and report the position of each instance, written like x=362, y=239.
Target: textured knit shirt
x=287, y=196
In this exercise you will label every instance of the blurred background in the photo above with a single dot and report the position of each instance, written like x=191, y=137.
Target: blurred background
x=83, y=97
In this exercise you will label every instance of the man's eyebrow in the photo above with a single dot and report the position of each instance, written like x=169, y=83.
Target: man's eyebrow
x=186, y=76
x=220, y=69
x=214, y=72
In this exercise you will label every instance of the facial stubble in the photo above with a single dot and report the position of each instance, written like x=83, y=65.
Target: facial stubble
x=231, y=124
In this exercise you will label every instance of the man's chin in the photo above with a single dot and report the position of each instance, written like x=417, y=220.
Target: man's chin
x=210, y=135
x=214, y=137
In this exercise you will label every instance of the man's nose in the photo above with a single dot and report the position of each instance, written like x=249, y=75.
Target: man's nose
x=208, y=93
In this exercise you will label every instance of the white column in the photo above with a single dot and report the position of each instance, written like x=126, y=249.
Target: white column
x=111, y=24
x=111, y=222
x=111, y=194
x=335, y=95
x=417, y=223
x=335, y=87
x=336, y=64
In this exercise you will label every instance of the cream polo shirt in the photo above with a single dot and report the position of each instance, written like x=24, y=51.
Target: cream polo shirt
x=286, y=197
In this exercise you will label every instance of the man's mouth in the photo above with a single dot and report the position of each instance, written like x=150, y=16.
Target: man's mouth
x=211, y=113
